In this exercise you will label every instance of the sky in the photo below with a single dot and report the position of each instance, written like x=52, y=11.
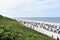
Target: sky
x=30, y=8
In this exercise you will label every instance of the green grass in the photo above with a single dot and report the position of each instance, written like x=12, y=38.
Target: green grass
x=11, y=29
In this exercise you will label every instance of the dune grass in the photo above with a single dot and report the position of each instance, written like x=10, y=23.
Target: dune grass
x=12, y=30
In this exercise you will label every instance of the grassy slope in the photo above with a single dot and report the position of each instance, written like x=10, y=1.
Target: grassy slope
x=11, y=29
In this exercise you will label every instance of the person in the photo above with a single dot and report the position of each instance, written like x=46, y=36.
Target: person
x=57, y=38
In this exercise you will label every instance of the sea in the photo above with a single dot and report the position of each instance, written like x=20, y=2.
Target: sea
x=45, y=19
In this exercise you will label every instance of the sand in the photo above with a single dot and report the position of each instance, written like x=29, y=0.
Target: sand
x=41, y=30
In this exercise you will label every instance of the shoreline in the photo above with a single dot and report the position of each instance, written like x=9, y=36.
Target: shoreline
x=41, y=30
x=41, y=22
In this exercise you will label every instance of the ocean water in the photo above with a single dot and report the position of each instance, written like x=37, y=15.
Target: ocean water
x=46, y=19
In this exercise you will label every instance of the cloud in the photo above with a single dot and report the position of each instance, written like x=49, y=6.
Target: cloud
x=26, y=6
x=46, y=4
x=38, y=4
x=10, y=3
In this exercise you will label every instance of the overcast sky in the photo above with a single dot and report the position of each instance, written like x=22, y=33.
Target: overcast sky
x=30, y=8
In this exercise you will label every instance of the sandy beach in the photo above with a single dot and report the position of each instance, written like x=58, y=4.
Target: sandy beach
x=41, y=30
x=40, y=22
